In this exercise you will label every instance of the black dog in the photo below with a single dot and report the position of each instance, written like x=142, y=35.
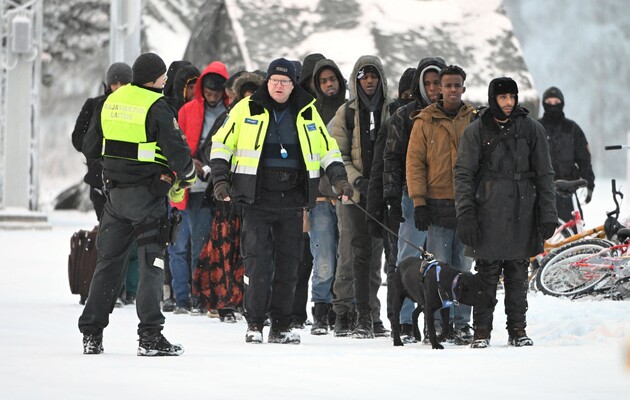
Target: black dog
x=433, y=286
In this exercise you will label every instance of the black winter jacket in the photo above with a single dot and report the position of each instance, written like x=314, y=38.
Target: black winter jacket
x=161, y=125
x=93, y=176
x=570, y=155
x=510, y=189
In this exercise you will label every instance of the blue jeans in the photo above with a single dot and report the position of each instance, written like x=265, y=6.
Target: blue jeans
x=408, y=232
x=192, y=234
x=324, y=240
x=446, y=247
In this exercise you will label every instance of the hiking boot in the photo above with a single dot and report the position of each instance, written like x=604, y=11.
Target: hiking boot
x=406, y=334
x=152, y=344
x=168, y=305
x=213, y=314
x=283, y=336
x=180, y=310
x=481, y=338
x=365, y=327
x=254, y=333
x=298, y=324
x=197, y=311
x=463, y=336
x=342, y=325
x=93, y=343
x=320, y=319
x=379, y=330
x=519, y=338
x=227, y=316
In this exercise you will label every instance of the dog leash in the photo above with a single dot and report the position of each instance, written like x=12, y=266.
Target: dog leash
x=424, y=254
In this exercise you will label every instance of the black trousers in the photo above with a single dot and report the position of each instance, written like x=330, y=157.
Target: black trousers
x=126, y=209
x=515, y=284
x=271, y=246
x=304, y=275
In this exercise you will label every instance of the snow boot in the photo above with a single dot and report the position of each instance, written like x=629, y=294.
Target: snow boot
x=406, y=334
x=320, y=319
x=481, y=338
x=365, y=327
x=342, y=325
x=380, y=330
x=463, y=336
x=254, y=333
x=518, y=338
x=93, y=343
x=152, y=344
x=283, y=335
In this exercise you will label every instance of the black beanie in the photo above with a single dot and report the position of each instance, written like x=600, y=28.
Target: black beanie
x=118, y=72
x=501, y=86
x=214, y=82
x=405, y=80
x=282, y=66
x=148, y=67
x=367, y=68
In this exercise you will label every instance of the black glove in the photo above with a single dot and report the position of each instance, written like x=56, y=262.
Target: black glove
x=468, y=230
x=343, y=188
x=547, y=229
x=394, y=210
x=421, y=217
x=361, y=184
x=221, y=190
x=589, y=196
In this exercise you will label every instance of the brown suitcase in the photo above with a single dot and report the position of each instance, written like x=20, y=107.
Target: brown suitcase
x=82, y=262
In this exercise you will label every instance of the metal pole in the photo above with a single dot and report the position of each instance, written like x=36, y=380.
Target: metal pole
x=124, y=30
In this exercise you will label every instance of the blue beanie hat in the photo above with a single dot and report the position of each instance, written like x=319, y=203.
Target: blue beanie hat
x=282, y=66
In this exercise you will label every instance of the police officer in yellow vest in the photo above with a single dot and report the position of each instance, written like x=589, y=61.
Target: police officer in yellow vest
x=276, y=143
x=144, y=158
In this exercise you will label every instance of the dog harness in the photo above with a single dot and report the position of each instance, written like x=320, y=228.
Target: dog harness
x=444, y=297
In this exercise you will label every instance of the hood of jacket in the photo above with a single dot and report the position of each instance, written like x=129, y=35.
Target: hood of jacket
x=330, y=64
x=169, y=89
x=426, y=64
x=353, y=82
x=215, y=67
x=183, y=75
x=247, y=80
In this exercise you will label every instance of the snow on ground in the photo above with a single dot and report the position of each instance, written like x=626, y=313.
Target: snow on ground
x=581, y=347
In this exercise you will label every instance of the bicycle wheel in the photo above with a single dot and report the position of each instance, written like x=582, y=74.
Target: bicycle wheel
x=559, y=276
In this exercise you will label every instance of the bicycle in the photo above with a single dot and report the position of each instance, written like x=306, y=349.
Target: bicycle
x=568, y=231
x=590, y=265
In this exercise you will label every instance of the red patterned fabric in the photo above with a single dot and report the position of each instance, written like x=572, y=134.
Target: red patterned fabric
x=218, y=278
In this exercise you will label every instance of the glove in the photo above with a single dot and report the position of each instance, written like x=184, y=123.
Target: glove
x=547, y=229
x=468, y=230
x=187, y=182
x=221, y=190
x=343, y=188
x=421, y=217
x=176, y=194
x=589, y=196
x=361, y=184
x=394, y=210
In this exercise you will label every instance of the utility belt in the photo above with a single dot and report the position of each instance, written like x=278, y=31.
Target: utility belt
x=281, y=180
x=513, y=176
x=158, y=184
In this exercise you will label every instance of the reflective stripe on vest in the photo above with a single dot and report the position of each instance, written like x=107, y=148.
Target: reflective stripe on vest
x=123, y=120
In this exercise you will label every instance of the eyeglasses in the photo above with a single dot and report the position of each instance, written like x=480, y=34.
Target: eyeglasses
x=282, y=82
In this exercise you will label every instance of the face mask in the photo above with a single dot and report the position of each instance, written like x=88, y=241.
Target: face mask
x=554, y=111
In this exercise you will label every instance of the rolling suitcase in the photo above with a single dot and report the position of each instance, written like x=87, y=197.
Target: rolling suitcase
x=82, y=262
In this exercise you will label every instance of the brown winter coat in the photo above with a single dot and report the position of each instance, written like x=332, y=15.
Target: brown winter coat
x=432, y=153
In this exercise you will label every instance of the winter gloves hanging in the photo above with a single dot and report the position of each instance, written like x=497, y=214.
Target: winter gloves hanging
x=343, y=188
x=221, y=190
x=394, y=210
x=421, y=217
x=468, y=230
